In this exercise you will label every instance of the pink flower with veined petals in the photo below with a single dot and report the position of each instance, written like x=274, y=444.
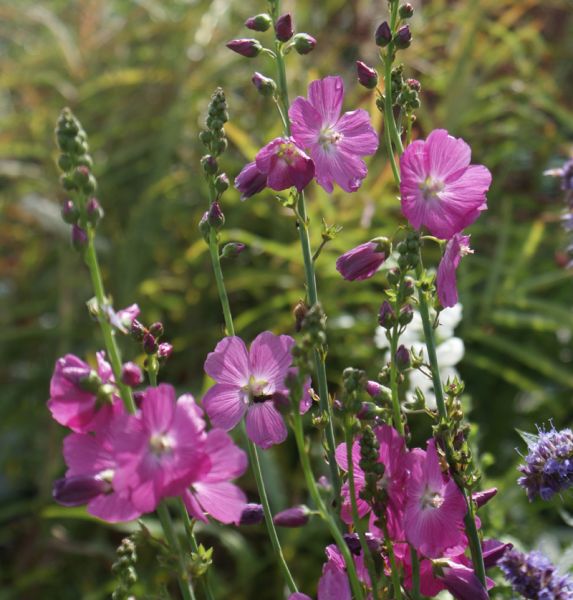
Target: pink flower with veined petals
x=211, y=490
x=161, y=451
x=456, y=249
x=73, y=401
x=435, y=507
x=336, y=143
x=249, y=382
x=285, y=165
x=440, y=189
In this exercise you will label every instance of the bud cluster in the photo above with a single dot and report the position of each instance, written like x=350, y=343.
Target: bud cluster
x=149, y=338
x=124, y=568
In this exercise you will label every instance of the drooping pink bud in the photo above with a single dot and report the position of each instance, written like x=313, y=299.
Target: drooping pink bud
x=304, y=43
x=259, y=22
x=252, y=514
x=245, y=47
x=483, y=497
x=78, y=490
x=131, y=374
x=297, y=516
x=367, y=76
x=283, y=28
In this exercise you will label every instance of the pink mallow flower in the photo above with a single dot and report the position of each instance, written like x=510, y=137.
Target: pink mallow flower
x=440, y=189
x=285, y=165
x=74, y=391
x=210, y=490
x=336, y=143
x=363, y=261
x=435, y=507
x=250, y=382
x=456, y=249
x=160, y=451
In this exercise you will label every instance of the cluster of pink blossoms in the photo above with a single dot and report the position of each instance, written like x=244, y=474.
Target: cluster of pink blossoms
x=122, y=465
x=324, y=145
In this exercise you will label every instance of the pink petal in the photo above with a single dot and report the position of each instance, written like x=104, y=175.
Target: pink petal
x=339, y=166
x=229, y=363
x=333, y=584
x=265, y=425
x=228, y=461
x=266, y=156
x=193, y=506
x=446, y=154
x=113, y=508
x=223, y=501
x=326, y=96
x=158, y=407
x=359, y=138
x=270, y=358
x=84, y=455
x=225, y=404
x=306, y=122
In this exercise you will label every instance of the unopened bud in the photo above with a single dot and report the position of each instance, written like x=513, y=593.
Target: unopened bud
x=403, y=37
x=283, y=28
x=386, y=316
x=78, y=490
x=222, y=183
x=367, y=411
x=164, y=351
x=304, y=43
x=156, y=329
x=137, y=330
x=406, y=11
x=414, y=84
x=204, y=226
x=252, y=514
x=131, y=374
x=232, y=249
x=406, y=315
x=245, y=47
x=481, y=498
x=94, y=212
x=209, y=164
x=149, y=344
x=402, y=357
x=70, y=213
x=215, y=217
x=367, y=76
x=260, y=22
x=383, y=35
x=79, y=238
x=264, y=85
x=297, y=516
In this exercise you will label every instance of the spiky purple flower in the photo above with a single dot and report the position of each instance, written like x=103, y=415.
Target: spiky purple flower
x=548, y=467
x=534, y=576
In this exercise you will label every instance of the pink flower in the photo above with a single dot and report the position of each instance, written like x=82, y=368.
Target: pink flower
x=456, y=249
x=333, y=585
x=250, y=181
x=440, y=189
x=435, y=507
x=210, y=489
x=74, y=391
x=160, y=451
x=249, y=382
x=336, y=143
x=285, y=165
x=363, y=261
x=90, y=478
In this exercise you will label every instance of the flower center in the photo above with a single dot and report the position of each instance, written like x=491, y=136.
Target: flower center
x=160, y=443
x=287, y=152
x=257, y=390
x=106, y=476
x=328, y=136
x=431, y=188
x=432, y=499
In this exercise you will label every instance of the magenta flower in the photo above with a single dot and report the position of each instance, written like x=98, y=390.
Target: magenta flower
x=210, y=489
x=90, y=478
x=285, y=165
x=456, y=249
x=333, y=585
x=462, y=582
x=161, y=451
x=74, y=394
x=250, y=181
x=363, y=261
x=440, y=189
x=435, y=507
x=249, y=382
x=336, y=143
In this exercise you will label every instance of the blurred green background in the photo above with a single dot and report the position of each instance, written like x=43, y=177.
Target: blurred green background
x=139, y=75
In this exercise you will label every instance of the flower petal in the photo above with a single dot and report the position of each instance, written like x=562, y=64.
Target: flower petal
x=447, y=155
x=223, y=501
x=158, y=407
x=305, y=122
x=270, y=358
x=359, y=135
x=326, y=96
x=227, y=460
x=229, y=362
x=225, y=404
x=265, y=425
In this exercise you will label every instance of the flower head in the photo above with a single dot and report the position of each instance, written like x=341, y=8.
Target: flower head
x=336, y=143
x=363, y=261
x=548, y=467
x=285, y=165
x=456, y=248
x=250, y=383
x=440, y=189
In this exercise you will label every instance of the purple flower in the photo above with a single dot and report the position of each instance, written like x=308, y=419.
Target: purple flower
x=251, y=383
x=250, y=181
x=336, y=143
x=456, y=249
x=548, y=467
x=534, y=576
x=440, y=189
x=362, y=262
x=285, y=165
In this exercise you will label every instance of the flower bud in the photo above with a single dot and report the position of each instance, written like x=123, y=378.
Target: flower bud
x=209, y=164
x=232, y=249
x=367, y=76
x=79, y=238
x=283, y=28
x=131, y=374
x=252, y=514
x=137, y=330
x=402, y=357
x=157, y=329
x=483, y=497
x=84, y=179
x=297, y=516
x=260, y=22
x=367, y=411
x=403, y=37
x=353, y=543
x=406, y=315
x=78, y=490
x=265, y=85
x=383, y=35
x=164, y=351
x=215, y=216
x=377, y=391
x=386, y=316
x=245, y=47
x=204, y=226
x=70, y=213
x=304, y=43
x=149, y=344
x=94, y=212
x=222, y=183
x=414, y=84
x=65, y=162
x=406, y=11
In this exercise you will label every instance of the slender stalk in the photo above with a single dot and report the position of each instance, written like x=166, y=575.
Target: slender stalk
x=355, y=516
x=390, y=123
x=415, y=574
x=167, y=524
x=221, y=289
x=395, y=572
x=330, y=521
x=397, y=412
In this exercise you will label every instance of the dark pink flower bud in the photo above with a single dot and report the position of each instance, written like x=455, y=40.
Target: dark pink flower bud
x=492, y=551
x=94, y=212
x=70, y=213
x=383, y=35
x=215, y=216
x=462, y=582
x=403, y=37
x=164, y=351
x=367, y=76
x=232, y=249
x=367, y=411
x=78, y=490
x=304, y=43
x=483, y=497
x=157, y=329
x=406, y=11
x=361, y=262
x=79, y=238
x=406, y=315
x=386, y=316
x=250, y=181
x=297, y=516
x=137, y=330
x=131, y=374
x=283, y=28
x=149, y=344
x=414, y=84
x=402, y=357
x=259, y=22
x=252, y=514
x=374, y=389
x=265, y=85
x=245, y=47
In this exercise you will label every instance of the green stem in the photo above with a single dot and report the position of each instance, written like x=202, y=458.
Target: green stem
x=415, y=573
x=221, y=289
x=167, y=524
x=396, y=409
x=390, y=122
x=330, y=521
x=355, y=516
x=395, y=573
